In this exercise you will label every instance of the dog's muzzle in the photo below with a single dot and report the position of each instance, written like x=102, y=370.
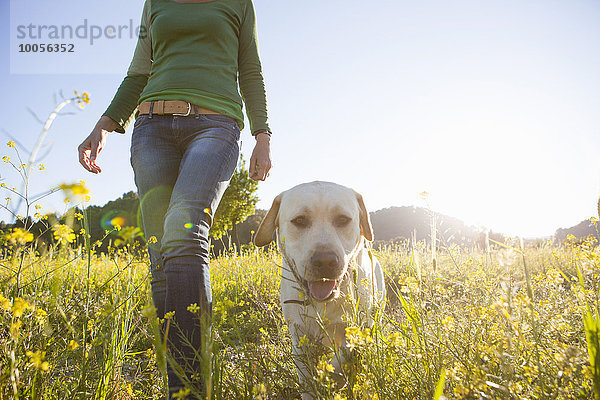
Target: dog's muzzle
x=327, y=270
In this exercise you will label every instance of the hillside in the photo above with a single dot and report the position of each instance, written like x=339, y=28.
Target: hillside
x=582, y=230
x=396, y=224
x=389, y=224
x=401, y=222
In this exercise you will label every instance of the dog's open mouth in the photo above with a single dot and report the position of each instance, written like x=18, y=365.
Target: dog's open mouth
x=322, y=290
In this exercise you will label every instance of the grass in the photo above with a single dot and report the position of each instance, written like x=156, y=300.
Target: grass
x=509, y=324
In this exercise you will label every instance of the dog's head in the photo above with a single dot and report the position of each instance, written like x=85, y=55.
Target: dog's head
x=320, y=225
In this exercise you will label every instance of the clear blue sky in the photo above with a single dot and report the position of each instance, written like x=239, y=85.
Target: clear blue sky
x=491, y=107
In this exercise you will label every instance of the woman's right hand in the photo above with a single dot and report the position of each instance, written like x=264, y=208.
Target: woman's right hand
x=93, y=144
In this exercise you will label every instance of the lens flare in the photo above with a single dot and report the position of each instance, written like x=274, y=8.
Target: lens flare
x=114, y=218
x=189, y=225
x=155, y=200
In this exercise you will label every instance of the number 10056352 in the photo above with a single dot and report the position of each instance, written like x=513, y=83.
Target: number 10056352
x=46, y=48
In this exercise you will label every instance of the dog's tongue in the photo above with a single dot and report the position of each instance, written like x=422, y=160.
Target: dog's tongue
x=321, y=290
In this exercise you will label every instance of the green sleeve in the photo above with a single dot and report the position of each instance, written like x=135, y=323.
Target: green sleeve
x=125, y=102
x=251, y=79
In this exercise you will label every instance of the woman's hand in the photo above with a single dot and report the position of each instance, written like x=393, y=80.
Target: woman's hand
x=260, y=162
x=93, y=144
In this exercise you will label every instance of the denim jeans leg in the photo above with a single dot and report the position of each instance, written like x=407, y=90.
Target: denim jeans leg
x=155, y=158
x=210, y=157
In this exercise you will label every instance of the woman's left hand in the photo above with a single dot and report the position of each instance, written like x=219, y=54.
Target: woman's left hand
x=260, y=162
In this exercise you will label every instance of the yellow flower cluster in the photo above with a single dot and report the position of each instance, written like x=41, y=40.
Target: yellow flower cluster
x=37, y=359
x=409, y=285
x=19, y=306
x=357, y=337
x=4, y=303
x=193, y=308
x=75, y=188
x=63, y=234
x=324, y=367
x=18, y=237
x=82, y=99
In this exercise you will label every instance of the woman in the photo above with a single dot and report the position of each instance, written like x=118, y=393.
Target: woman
x=183, y=80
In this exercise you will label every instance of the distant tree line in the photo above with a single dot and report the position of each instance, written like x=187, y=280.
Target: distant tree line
x=118, y=223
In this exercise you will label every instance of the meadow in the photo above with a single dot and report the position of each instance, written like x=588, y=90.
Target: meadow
x=459, y=323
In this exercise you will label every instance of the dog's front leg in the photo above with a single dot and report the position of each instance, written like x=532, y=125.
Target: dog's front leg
x=300, y=342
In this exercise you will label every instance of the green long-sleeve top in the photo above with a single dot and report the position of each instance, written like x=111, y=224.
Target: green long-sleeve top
x=195, y=52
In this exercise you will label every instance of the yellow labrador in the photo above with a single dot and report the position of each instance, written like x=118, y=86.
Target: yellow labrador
x=322, y=229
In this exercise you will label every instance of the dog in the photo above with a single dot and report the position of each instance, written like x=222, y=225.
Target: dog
x=323, y=231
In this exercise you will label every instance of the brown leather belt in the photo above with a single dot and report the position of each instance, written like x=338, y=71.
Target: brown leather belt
x=172, y=107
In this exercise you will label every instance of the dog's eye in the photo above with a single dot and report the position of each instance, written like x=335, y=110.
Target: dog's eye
x=300, y=221
x=341, y=220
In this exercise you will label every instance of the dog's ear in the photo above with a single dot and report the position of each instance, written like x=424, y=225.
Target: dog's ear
x=266, y=230
x=365, y=221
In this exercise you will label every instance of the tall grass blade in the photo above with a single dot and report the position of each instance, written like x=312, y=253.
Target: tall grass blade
x=439, y=389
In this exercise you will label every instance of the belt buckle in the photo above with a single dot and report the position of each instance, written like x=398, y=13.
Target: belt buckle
x=188, y=111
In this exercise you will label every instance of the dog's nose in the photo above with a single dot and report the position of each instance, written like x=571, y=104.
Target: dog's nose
x=327, y=263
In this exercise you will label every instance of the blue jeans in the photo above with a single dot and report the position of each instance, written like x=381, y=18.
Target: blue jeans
x=182, y=166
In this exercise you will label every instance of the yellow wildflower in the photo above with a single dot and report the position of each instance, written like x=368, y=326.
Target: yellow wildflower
x=193, y=308
x=14, y=328
x=63, y=234
x=329, y=367
x=18, y=236
x=303, y=341
x=170, y=315
x=448, y=321
x=75, y=190
x=37, y=359
x=353, y=336
x=4, y=302
x=19, y=306
x=323, y=367
x=11, y=144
